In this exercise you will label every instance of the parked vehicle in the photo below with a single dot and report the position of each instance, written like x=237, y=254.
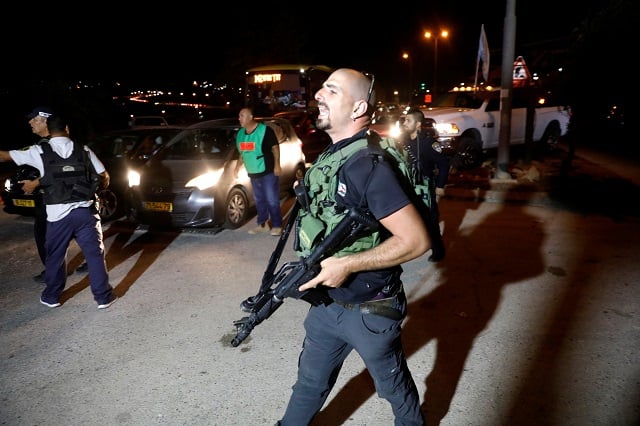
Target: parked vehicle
x=119, y=150
x=388, y=122
x=148, y=121
x=468, y=123
x=14, y=199
x=190, y=181
x=314, y=140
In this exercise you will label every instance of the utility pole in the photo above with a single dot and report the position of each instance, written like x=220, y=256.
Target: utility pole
x=506, y=90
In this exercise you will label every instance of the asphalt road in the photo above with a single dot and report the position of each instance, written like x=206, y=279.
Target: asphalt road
x=533, y=318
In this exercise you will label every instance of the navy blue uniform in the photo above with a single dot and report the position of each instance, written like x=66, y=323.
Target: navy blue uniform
x=435, y=166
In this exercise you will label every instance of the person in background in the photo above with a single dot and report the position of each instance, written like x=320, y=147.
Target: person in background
x=363, y=279
x=430, y=164
x=38, y=122
x=260, y=153
x=71, y=214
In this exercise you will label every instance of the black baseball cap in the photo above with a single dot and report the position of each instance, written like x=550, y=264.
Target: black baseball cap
x=41, y=111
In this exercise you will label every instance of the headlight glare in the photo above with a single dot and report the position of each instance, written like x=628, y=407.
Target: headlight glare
x=133, y=177
x=206, y=180
x=447, y=129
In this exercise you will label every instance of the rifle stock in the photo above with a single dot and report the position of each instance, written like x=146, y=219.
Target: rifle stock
x=292, y=275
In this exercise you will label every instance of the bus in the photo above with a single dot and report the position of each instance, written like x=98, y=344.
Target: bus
x=283, y=87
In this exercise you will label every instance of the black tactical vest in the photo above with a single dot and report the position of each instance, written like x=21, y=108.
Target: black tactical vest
x=68, y=180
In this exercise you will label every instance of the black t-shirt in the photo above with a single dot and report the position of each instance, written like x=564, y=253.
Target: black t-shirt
x=383, y=195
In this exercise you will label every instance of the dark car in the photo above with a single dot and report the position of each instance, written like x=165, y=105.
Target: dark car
x=14, y=199
x=190, y=181
x=119, y=150
x=314, y=140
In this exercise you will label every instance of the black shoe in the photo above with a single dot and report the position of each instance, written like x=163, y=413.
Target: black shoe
x=39, y=278
x=436, y=257
x=248, y=304
x=82, y=268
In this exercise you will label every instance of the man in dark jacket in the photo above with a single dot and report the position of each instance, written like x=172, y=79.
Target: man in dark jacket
x=432, y=165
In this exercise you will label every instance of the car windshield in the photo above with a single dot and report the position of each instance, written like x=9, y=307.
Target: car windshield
x=201, y=144
x=131, y=144
x=458, y=100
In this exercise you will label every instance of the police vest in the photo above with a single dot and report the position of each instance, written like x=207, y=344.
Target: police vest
x=321, y=182
x=68, y=180
x=250, y=147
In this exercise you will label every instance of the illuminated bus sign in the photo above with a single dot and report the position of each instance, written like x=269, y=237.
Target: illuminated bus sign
x=273, y=88
x=266, y=78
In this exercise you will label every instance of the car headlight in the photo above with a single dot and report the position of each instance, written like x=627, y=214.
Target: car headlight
x=7, y=185
x=395, y=130
x=447, y=129
x=206, y=180
x=133, y=177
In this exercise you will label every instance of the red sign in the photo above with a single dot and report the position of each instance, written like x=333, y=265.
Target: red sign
x=521, y=74
x=247, y=146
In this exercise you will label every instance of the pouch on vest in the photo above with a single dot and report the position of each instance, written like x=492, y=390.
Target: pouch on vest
x=311, y=228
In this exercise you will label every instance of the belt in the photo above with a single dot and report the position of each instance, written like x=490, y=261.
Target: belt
x=383, y=307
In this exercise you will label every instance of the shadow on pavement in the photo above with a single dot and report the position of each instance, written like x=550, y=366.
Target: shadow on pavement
x=149, y=244
x=458, y=310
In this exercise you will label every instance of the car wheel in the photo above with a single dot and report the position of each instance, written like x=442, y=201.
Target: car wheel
x=108, y=205
x=469, y=154
x=237, y=208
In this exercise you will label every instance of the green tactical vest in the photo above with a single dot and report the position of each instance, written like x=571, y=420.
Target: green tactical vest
x=250, y=147
x=321, y=181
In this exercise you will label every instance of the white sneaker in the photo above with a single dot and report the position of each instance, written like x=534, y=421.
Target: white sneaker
x=106, y=305
x=51, y=305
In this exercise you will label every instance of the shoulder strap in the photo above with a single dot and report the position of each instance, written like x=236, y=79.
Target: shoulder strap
x=81, y=154
x=46, y=147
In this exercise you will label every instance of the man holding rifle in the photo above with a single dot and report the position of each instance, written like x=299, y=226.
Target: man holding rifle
x=362, y=279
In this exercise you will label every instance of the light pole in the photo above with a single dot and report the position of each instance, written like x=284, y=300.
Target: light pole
x=435, y=37
x=407, y=57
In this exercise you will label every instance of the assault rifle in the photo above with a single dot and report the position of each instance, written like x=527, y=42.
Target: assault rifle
x=276, y=287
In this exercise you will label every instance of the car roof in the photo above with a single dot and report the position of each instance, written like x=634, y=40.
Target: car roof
x=233, y=122
x=144, y=129
x=217, y=122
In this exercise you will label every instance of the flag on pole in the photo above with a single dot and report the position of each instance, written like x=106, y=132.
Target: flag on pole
x=483, y=54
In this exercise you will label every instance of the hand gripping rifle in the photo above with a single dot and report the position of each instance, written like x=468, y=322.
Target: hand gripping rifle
x=285, y=283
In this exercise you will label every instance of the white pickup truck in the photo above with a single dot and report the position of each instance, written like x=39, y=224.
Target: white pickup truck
x=467, y=123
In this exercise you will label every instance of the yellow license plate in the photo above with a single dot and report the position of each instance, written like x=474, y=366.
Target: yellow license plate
x=158, y=207
x=23, y=203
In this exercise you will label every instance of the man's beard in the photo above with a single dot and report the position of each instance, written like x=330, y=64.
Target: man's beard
x=323, y=124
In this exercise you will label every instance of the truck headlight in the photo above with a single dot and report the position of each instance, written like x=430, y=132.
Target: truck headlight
x=447, y=129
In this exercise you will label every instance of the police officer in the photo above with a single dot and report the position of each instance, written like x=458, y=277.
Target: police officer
x=432, y=165
x=38, y=122
x=69, y=200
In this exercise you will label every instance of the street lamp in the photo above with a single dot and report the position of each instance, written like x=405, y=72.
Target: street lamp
x=435, y=37
x=407, y=57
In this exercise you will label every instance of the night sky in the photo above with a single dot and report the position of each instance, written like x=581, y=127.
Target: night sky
x=215, y=41
x=51, y=44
